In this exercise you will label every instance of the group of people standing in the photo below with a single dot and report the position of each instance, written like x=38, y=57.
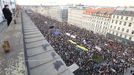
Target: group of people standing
x=116, y=57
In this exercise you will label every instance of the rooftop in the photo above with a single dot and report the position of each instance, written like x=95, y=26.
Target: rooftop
x=99, y=11
x=124, y=11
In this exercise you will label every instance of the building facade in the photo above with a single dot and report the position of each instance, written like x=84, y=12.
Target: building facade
x=122, y=25
x=116, y=23
x=87, y=23
x=93, y=19
x=75, y=16
x=87, y=20
x=101, y=20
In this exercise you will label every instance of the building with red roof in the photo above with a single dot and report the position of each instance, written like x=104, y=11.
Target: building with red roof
x=90, y=11
x=99, y=19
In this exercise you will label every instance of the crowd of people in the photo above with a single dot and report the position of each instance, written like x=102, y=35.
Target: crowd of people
x=104, y=56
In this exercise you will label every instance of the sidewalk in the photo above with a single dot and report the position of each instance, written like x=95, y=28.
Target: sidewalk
x=13, y=63
x=3, y=26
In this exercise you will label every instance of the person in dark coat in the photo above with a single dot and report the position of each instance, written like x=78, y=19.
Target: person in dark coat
x=7, y=14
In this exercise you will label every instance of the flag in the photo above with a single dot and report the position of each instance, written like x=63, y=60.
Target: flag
x=68, y=34
x=72, y=42
x=113, y=70
x=73, y=36
x=98, y=48
x=84, y=41
x=81, y=47
x=56, y=32
x=45, y=22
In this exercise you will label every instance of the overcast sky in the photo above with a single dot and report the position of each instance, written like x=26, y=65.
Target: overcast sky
x=86, y=2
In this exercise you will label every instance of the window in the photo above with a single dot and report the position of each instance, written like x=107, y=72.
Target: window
x=113, y=16
x=130, y=24
x=122, y=29
x=117, y=17
x=130, y=38
x=125, y=36
x=124, y=23
x=114, y=27
x=116, y=22
x=111, y=26
x=127, y=30
x=113, y=32
x=131, y=18
x=126, y=18
x=116, y=33
x=132, y=32
x=120, y=22
x=120, y=35
x=121, y=17
x=112, y=21
x=118, y=28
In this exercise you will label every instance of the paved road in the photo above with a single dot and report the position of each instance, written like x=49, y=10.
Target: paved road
x=12, y=63
x=3, y=27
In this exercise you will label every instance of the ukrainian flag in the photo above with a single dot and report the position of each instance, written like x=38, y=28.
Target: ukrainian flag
x=81, y=47
x=72, y=42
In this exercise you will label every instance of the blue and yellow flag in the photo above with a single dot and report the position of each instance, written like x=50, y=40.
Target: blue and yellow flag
x=81, y=47
x=72, y=42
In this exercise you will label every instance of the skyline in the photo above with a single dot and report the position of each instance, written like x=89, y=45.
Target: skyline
x=84, y=2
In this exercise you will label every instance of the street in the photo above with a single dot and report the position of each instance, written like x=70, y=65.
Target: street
x=3, y=27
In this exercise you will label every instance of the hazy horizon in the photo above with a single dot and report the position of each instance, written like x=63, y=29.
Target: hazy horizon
x=83, y=2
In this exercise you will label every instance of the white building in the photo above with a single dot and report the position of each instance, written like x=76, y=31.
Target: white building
x=101, y=20
x=122, y=25
x=93, y=19
x=75, y=16
x=87, y=22
x=55, y=13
